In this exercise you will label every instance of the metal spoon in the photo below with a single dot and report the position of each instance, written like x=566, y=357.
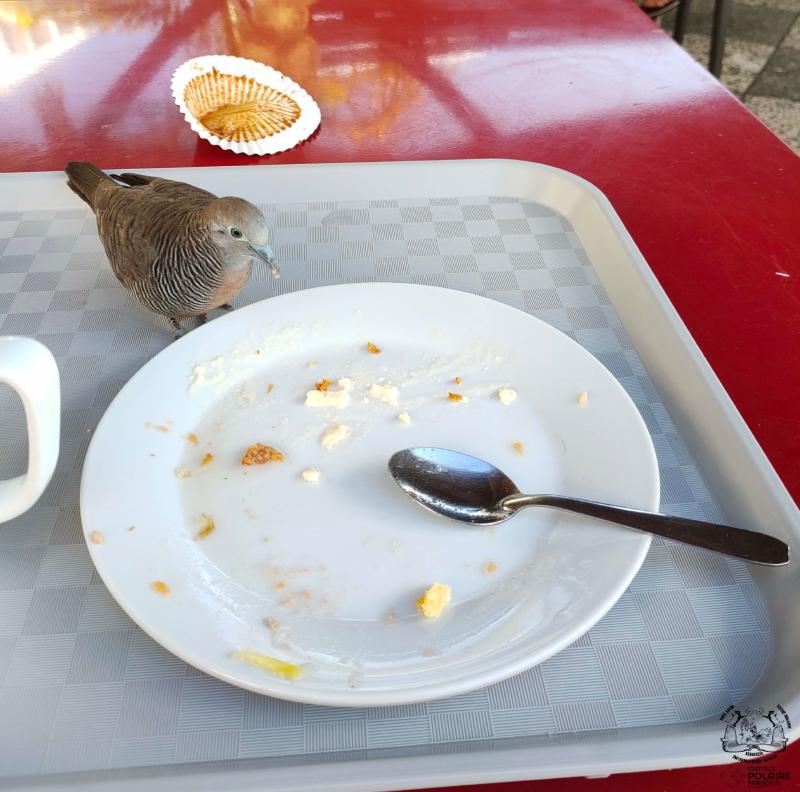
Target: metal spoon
x=469, y=489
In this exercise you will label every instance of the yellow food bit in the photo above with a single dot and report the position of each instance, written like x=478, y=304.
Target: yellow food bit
x=583, y=398
x=207, y=527
x=404, y=417
x=160, y=428
x=278, y=667
x=518, y=447
x=311, y=363
x=260, y=454
x=457, y=380
x=97, y=537
x=206, y=460
x=434, y=600
x=456, y=397
x=183, y=473
x=191, y=437
x=490, y=567
x=372, y=349
x=279, y=585
x=270, y=387
x=323, y=384
x=160, y=587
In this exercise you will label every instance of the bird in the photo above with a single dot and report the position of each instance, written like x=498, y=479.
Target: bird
x=182, y=251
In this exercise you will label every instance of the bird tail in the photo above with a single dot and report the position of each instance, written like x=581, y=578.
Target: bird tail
x=83, y=179
x=132, y=179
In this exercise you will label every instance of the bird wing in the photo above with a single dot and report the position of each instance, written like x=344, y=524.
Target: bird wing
x=167, y=188
x=137, y=223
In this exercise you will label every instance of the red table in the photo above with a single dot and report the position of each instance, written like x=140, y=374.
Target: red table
x=710, y=195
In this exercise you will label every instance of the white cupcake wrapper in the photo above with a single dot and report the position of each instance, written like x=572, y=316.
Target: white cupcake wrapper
x=287, y=138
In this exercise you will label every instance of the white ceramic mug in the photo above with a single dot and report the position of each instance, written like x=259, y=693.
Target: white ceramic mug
x=29, y=368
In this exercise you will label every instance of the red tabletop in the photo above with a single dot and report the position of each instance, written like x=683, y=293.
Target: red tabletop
x=710, y=195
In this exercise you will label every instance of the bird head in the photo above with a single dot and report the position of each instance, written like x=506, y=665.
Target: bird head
x=240, y=230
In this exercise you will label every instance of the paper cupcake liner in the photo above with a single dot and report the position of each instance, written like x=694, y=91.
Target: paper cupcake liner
x=243, y=106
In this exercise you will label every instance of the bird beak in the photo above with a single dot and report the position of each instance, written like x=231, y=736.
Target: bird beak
x=264, y=252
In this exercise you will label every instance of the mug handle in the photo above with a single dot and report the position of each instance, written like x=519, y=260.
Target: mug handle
x=30, y=369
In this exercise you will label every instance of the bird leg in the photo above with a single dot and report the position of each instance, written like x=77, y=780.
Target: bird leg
x=179, y=331
x=226, y=307
x=202, y=318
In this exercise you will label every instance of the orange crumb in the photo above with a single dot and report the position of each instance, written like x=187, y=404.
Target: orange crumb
x=272, y=623
x=518, y=447
x=323, y=384
x=456, y=397
x=160, y=587
x=260, y=454
x=372, y=349
x=192, y=438
x=490, y=567
x=206, y=459
x=97, y=537
x=131, y=528
x=457, y=380
x=159, y=428
x=270, y=387
x=279, y=585
x=207, y=527
x=306, y=594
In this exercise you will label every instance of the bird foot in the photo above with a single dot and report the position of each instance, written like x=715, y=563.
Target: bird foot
x=180, y=332
x=226, y=307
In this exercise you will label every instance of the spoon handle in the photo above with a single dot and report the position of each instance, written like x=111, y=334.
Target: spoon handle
x=749, y=545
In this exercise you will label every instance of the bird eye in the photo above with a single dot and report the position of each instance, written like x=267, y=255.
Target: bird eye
x=236, y=233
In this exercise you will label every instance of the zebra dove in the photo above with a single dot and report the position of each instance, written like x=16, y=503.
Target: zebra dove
x=182, y=251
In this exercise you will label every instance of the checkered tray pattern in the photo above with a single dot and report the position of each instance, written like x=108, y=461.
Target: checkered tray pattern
x=81, y=687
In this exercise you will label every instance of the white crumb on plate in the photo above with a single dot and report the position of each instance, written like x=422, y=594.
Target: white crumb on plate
x=328, y=398
x=334, y=435
x=404, y=417
x=97, y=537
x=310, y=475
x=506, y=395
x=583, y=398
x=386, y=393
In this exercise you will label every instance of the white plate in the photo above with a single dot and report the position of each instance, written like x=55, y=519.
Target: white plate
x=333, y=562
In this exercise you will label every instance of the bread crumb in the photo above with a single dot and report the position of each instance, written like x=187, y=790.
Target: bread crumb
x=207, y=526
x=305, y=594
x=322, y=396
x=131, y=528
x=506, y=395
x=191, y=437
x=182, y=473
x=260, y=454
x=386, y=393
x=457, y=397
x=270, y=387
x=206, y=460
x=583, y=398
x=279, y=585
x=434, y=600
x=311, y=475
x=518, y=447
x=404, y=417
x=311, y=363
x=372, y=349
x=97, y=537
x=490, y=567
x=323, y=384
x=334, y=435
x=273, y=665
x=457, y=380
x=160, y=587
x=272, y=623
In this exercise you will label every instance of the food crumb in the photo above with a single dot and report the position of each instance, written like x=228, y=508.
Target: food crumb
x=457, y=397
x=131, y=528
x=404, y=417
x=431, y=652
x=279, y=585
x=583, y=398
x=386, y=393
x=518, y=447
x=373, y=349
x=206, y=460
x=207, y=526
x=260, y=454
x=160, y=587
x=490, y=567
x=311, y=475
x=278, y=667
x=311, y=363
x=334, y=435
x=457, y=380
x=305, y=594
x=323, y=384
x=183, y=473
x=434, y=600
x=97, y=537
x=192, y=438
x=272, y=623
x=506, y=395
x=270, y=387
